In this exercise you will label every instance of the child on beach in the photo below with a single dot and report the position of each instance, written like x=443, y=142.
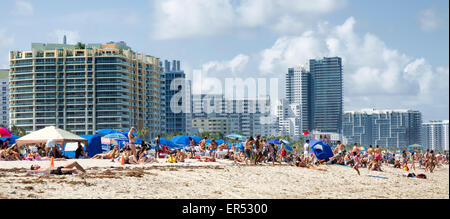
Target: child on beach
x=357, y=162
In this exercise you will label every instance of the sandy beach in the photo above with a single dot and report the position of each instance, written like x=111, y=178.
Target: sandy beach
x=221, y=180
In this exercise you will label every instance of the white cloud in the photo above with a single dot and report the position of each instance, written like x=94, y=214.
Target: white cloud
x=23, y=8
x=429, y=20
x=175, y=19
x=57, y=36
x=188, y=18
x=371, y=69
x=6, y=42
x=374, y=74
x=237, y=64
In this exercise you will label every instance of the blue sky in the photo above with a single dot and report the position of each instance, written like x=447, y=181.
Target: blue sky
x=395, y=52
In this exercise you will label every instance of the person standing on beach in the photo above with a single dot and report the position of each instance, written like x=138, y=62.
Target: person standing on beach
x=306, y=151
x=132, y=138
x=258, y=147
x=202, y=146
x=371, y=153
x=157, y=146
x=283, y=152
x=248, y=145
x=357, y=162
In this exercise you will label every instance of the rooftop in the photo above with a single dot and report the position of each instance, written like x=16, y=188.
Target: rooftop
x=374, y=111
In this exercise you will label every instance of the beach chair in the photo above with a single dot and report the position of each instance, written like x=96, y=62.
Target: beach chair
x=165, y=152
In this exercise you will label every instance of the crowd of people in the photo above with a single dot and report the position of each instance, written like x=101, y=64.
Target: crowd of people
x=255, y=151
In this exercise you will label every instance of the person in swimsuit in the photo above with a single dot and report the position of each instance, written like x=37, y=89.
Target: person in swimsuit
x=283, y=152
x=357, y=162
x=212, y=148
x=180, y=157
x=132, y=139
x=248, y=145
x=109, y=155
x=258, y=148
x=202, y=145
x=158, y=146
x=62, y=170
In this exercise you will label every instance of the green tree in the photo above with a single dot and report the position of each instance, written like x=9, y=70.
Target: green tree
x=143, y=133
x=80, y=46
x=18, y=131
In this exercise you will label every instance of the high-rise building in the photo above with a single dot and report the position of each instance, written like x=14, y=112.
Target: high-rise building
x=386, y=128
x=435, y=135
x=289, y=119
x=319, y=92
x=249, y=116
x=298, y=92
x=101, y=86
x=179, y=121
x=327, y=94
x=4, y=97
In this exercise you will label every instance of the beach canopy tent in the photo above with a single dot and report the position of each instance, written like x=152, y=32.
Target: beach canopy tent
x=107, y=131
x=94, y=144
x=59, y=136
x=320, y=149
x=12, y=139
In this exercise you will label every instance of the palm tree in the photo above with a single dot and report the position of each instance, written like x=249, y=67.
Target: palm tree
x=80, y=45
x=18, y=131
x=143, y=132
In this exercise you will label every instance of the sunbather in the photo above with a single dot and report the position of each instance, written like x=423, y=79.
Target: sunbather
x=109, y=155
x=62, y=170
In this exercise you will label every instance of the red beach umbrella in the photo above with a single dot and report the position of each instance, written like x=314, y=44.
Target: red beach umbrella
x=4, y=132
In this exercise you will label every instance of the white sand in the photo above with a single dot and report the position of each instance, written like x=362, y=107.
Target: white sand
x=217, y=181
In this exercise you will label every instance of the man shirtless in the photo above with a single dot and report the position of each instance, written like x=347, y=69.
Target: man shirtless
x=212, y=148
x=248, y=145
x=378, y=150
x=62, y=170
x=109, y=155
x=371, y=153
x=340, y=148
x=132, y=139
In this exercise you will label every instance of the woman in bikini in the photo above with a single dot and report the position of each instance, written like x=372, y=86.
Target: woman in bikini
x=110, y=155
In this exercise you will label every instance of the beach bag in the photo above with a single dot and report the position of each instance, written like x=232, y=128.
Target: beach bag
x=422, y=176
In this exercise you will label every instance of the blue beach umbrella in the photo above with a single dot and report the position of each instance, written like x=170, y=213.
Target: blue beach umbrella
x=107, y=131
x=181, y=140
x=117, y=137
x=197, y=139
x=278, y=142
x=126, y=134
x=167, y=142
x=234, y=136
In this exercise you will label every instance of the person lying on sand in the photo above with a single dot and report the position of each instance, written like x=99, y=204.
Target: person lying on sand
x=304, y=164
x=374, y=166
x=109, y=155
x=62, y=170
x=207, y=159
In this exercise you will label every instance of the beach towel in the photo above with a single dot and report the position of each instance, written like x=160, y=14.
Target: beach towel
x=380, y=177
